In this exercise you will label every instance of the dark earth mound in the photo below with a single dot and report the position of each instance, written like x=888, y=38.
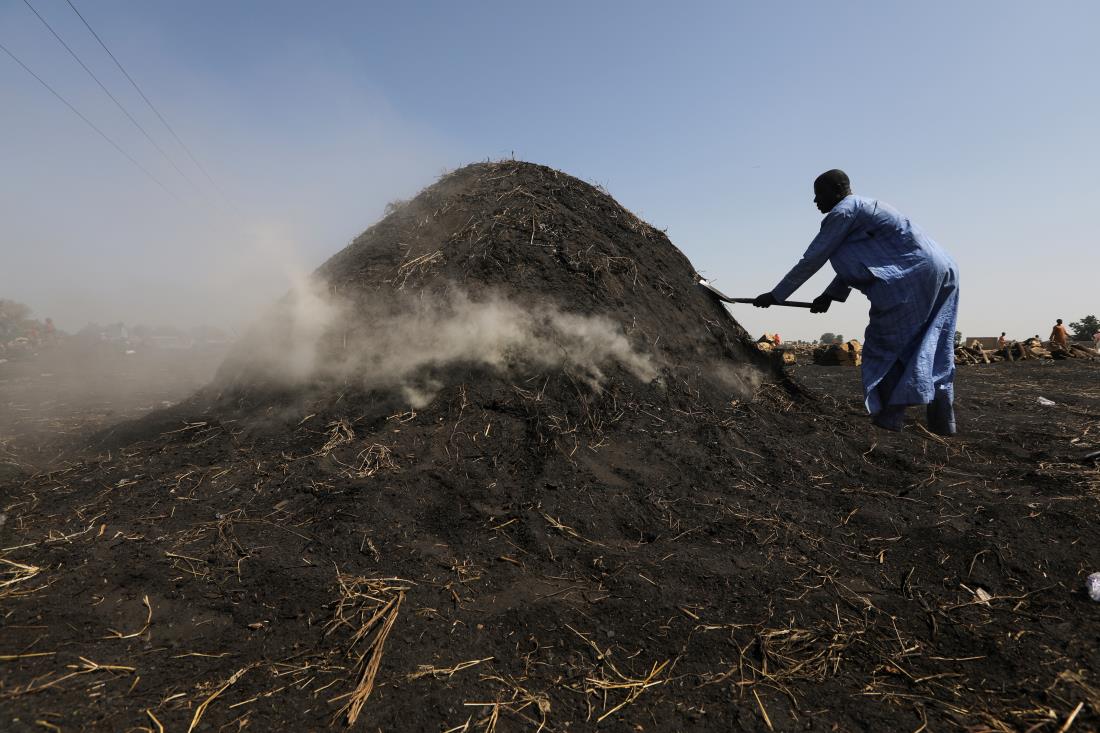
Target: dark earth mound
x=710, y=546
x=514, y=235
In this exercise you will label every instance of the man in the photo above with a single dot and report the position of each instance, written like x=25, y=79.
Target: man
x=913, y=286
x=1002, y=341
x=1058, y=335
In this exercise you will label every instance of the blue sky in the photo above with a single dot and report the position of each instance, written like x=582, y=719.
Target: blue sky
x=978, y=120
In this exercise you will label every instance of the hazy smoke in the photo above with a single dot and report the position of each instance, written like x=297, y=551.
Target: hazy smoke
x=315, y=335
x=743, y=380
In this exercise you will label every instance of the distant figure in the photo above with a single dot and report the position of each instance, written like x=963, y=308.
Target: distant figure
x=778, y=340
x=1058, y=335
x=1002, y=341
x=1096, y=341
x=913, y=286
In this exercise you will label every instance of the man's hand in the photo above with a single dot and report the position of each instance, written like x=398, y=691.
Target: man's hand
x=765, y=300
x=821, y=304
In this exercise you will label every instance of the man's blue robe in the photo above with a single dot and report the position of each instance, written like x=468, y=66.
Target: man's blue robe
x=913, y=286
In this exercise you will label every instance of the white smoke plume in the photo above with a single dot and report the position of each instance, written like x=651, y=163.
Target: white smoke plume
x=316, y=335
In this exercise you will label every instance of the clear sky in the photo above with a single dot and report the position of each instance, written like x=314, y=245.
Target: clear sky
x=979, y=120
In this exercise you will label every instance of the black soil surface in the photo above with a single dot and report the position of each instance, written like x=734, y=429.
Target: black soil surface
x=723, y=547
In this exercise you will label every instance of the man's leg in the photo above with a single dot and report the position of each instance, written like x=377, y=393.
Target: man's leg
x=890, y=417
x=941, y=411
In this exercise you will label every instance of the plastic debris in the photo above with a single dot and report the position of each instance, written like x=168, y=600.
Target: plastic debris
x=1046, y=403
x=1092, y=583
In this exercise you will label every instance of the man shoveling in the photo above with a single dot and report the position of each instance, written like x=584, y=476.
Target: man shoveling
x=913, y=286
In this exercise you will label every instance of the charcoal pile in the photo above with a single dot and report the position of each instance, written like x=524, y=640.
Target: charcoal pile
x=495, y=276
x=500, y=465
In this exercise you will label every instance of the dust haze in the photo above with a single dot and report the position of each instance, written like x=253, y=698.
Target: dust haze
x=297, y=167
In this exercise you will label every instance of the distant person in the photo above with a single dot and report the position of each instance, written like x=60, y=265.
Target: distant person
x=1058, y=335
x=1002, y=341
x=1096, y=341
x=778, y=341
x=913, y=286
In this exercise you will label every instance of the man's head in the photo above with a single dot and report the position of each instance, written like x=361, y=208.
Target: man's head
x=829, y=188
x=1059, y=321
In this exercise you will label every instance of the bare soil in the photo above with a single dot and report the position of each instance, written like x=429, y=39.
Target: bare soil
x=527, y=554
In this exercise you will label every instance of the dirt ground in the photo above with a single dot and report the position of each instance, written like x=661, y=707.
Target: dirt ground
x=580, y=499
x=910, y=584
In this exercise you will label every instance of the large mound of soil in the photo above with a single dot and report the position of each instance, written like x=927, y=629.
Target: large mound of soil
x=578, y=498
x=512, y=270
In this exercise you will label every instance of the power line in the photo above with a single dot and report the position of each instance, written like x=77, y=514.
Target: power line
x=88, y=122
x=108, y=93
x=147, y=101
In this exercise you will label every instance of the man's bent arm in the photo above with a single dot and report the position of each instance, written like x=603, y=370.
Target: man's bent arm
x=834, y=230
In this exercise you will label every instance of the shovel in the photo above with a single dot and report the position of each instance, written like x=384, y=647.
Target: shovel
x=705, y=285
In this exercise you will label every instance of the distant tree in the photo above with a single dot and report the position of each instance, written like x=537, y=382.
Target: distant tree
x=958, y=338
x=1085, y=328
x=827, y=337
x=13, y=316
x=840, y=338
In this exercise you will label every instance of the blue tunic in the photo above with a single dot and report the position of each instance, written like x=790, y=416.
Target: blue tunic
x=913, y=286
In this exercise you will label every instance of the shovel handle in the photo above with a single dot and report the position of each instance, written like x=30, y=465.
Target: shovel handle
x=788, y=303
x=727, y=299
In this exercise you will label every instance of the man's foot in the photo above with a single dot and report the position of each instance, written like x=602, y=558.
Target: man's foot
x=891, y=417
x=941, y=415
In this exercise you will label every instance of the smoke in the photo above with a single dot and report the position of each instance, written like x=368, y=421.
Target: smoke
x=742, y=380
x=403, y=343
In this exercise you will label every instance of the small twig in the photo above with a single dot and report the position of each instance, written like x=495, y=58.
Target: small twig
x=139, y=632
x=1072, y=717
x=13, y=657
x=206, y=703
x=160, y=728
x=763, y=712
x=426, y=670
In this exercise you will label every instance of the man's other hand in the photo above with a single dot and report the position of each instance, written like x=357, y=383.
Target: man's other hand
x=765, y=300
x=821, y=304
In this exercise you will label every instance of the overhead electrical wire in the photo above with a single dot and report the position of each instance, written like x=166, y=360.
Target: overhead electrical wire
x=147, y=100
x=108, y=93
x=88, y=122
